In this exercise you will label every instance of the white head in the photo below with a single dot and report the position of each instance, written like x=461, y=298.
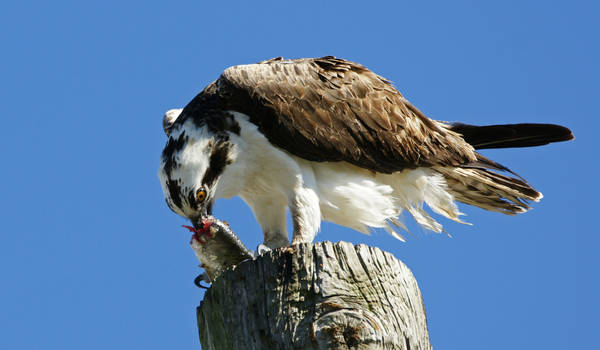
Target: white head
x=170, y=118
x=192, y=162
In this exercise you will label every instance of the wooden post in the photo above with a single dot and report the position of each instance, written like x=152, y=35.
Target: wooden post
x=315, y=296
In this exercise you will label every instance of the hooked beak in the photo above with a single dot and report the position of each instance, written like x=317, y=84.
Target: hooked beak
x=205, y=212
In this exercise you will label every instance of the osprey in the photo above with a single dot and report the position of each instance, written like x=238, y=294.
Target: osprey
x=329, y=139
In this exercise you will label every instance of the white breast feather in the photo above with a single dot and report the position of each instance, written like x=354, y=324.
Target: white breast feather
x=347, y=195
x=357, y=198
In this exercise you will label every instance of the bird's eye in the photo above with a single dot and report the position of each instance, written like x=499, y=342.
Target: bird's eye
x=201, y=195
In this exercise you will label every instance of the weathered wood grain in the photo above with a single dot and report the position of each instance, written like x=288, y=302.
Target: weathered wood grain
x=315, y=296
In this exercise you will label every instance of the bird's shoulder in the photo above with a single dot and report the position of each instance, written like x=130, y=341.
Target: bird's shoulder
x=339, y=110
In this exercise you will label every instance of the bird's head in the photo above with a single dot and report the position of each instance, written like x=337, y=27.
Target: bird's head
x=191, y=166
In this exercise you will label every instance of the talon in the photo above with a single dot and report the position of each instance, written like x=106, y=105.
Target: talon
x=262, y=249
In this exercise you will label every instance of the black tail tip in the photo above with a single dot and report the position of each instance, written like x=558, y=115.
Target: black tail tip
x=563, y=133
x=512, y=135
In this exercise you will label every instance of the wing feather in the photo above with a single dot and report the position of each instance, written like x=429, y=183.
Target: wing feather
x=329, y=109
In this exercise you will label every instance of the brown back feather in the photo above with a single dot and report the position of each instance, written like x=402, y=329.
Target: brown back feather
x=329, y=109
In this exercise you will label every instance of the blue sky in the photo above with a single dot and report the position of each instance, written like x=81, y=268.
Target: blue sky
x=92, y=258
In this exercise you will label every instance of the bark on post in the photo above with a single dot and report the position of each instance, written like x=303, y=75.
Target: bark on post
x=315, y=296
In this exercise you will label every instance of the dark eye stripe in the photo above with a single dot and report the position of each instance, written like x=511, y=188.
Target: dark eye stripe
x=218, y=161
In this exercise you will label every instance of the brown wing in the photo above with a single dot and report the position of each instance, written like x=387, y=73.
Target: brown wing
x=329, y=109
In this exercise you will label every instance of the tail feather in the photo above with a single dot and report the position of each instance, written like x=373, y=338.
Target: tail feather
x=480, y=184
x=484, y=183
x=511, y=135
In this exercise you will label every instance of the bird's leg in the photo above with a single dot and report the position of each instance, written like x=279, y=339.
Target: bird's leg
x=261, y=249
x=270, y=214
x=306, y=215
x=276, y=239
